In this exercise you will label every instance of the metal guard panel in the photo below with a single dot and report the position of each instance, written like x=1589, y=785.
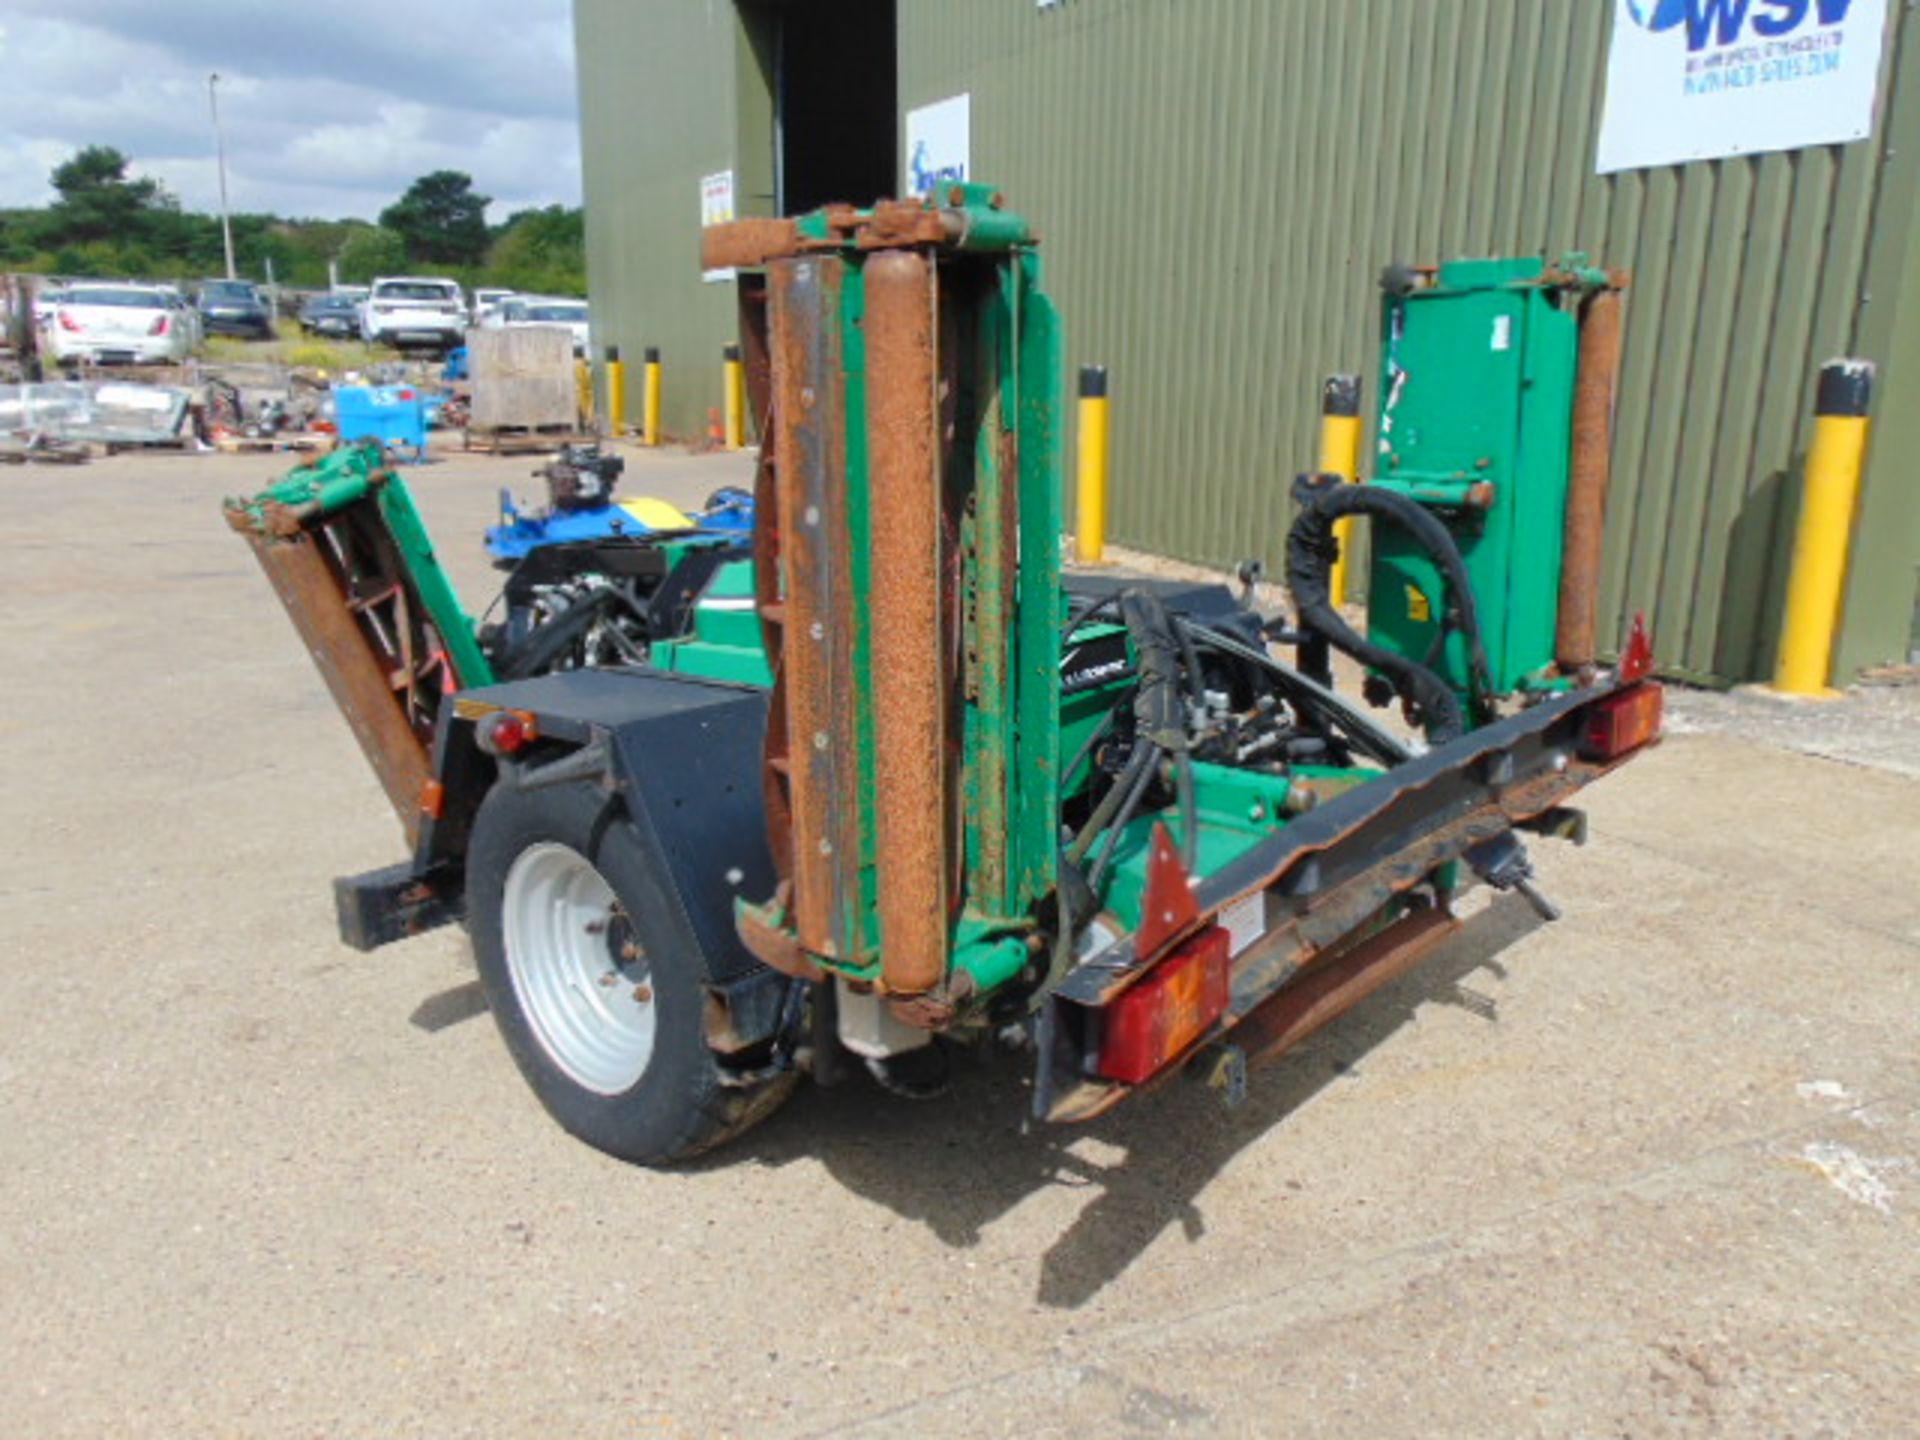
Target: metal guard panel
x=686, y=758
x=1379, y=821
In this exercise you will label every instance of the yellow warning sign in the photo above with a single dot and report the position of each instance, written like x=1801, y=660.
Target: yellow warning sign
x=1417, y=606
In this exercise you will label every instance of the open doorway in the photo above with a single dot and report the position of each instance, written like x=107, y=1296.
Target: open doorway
x=830, y=71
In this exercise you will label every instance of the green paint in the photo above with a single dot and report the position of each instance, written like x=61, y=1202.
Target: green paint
x=1477, y=381
x=1236, y=809
x=347, y=476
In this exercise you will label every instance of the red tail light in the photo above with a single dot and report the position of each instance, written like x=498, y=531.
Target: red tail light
x=1623, y=721
x=1155, y=1020
x=159, y=326
x=506, y=732
x=67, y=322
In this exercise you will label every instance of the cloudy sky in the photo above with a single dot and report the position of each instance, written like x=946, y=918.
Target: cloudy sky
x=330, y=107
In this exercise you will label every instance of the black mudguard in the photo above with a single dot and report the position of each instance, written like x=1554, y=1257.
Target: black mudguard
x=683, y=757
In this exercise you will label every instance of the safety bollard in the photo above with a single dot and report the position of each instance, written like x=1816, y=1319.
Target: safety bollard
x=1340, y=455
x=583, y=392
x=1821, y=540
x=1090, y=512
x=733, y=378
x=650, y=396
x=616, y=392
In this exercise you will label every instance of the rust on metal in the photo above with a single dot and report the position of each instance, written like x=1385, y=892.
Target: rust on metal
x=362, y=688
x=935, y=1009
x=771, y=943
x=812, y=753
x=1332, y=987
x=905, y=621
x=895, y=224
x=747, y=243
x=1593, y=398
x=1168, y=911
x=890, y=224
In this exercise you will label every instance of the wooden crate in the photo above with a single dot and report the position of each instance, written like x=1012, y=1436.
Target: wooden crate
x=522, y=379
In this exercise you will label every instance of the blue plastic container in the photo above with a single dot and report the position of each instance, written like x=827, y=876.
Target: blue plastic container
x=392, y=414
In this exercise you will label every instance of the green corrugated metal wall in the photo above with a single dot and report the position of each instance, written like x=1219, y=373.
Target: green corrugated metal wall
x=658, y=111
x=1220, y=181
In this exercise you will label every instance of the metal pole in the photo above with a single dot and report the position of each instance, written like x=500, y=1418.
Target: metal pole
x=1818, y=579
x=650, y=396
x=1340, y=455
x=616, y=392
x=733, y=380
x=220, y=152
x=1090, y=507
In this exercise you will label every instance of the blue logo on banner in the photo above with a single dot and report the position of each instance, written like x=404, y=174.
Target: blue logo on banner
x=927, y=175
x=1723, y=22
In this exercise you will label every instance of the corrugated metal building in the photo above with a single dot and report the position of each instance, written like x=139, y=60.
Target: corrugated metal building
x=1219, y=183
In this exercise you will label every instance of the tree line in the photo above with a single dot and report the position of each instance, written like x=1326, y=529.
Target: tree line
x=106, y=223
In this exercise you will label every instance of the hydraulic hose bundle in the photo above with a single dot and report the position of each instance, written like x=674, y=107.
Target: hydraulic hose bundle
x=1311, y=551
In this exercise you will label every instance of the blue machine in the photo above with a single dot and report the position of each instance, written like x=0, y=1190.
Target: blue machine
x=583, y=508
x=392, y=414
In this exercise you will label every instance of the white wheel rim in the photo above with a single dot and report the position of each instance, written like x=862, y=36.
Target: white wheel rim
x=577, y=968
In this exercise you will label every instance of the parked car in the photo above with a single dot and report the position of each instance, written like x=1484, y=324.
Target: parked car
x=330, y=315
x=46, y=300
x=407, y=310
x=111, y=323
x=185, y=315
x=486, y=300
x=543, y=310
x=234, y=307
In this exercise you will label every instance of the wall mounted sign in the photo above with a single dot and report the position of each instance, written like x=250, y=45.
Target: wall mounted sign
x=1703, y=79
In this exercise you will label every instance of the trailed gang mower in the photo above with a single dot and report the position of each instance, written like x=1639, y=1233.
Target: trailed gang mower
x=874, y=781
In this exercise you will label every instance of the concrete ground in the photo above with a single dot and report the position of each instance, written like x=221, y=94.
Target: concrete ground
x=1652, y=1170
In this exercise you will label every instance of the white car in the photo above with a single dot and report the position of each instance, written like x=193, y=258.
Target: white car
x=406, y=310
x=112, y=323
x=521, y=310
x=486, y=300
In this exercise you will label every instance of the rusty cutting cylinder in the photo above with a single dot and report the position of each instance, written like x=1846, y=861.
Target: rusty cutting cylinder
x=909, y=686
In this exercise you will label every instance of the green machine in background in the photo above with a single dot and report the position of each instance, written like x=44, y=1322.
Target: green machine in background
x=1484, y=365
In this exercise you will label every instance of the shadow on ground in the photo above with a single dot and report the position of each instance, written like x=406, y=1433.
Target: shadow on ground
x=960, y=1162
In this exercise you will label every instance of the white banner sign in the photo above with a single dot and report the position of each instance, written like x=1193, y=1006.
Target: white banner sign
x=1701, y=79
x=716, y=208
x=938, y=144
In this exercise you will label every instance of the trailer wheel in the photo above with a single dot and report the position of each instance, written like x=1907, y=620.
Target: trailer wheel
x=603, y=1017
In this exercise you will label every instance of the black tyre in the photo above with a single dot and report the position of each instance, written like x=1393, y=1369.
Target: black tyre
x=598, y=1000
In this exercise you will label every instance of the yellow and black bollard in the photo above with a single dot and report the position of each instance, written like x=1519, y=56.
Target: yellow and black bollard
x=650, y=396
x=1090, y=511
x=616, y=392
x=1340, y=455
x=1824, y=535
x=733, y=380
x=583, y=392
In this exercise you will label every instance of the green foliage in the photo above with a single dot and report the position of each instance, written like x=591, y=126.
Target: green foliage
x=105, y=224
x=441, y=219
x=99, y=203
x=370, y=251
x=543, y=252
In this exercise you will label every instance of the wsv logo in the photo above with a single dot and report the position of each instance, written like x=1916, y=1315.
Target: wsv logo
x=1722, y=22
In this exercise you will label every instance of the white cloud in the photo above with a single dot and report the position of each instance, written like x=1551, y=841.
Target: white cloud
x=328, y=111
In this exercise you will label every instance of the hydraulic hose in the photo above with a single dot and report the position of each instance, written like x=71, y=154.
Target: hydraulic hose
x=1311, y=549
x=548, y=643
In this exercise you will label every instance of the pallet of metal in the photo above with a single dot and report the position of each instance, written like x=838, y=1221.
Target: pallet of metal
x=524, y=396
x=523, y=439
x=305, y=442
